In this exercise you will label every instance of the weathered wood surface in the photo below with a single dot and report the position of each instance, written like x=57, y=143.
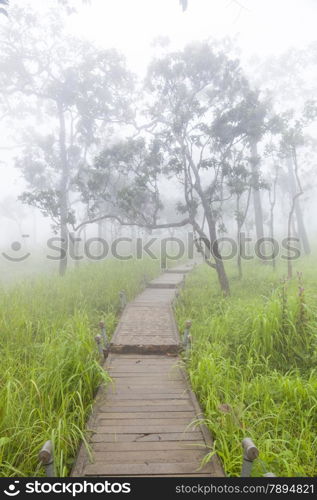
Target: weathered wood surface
x=184, y=269
x=167, y=280
x=155, y=296
x=147, y=421
x=146, y=328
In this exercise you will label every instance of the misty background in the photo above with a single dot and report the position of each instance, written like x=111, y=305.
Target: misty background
x=274, y=41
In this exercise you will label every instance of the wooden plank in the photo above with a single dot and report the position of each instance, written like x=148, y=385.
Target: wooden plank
x=144, y=348
x=149, y=402
x=128, y=335
x=138, y=357
x=147, y=415
x=146, y=361
x=147, y=408
x=126, y=382
x=143, y=421
x=151, y=370
x=143, y=385
x=100, y=469
x=152, y=456
x=148, y=428
x=139, y=362
x=160, y=369
x=139, y=375
x=151, y=446
x=140, y=437
x=161, y=373
x=145, y=378
x=125, y=391
x=143, y=371
x=131, y=359
x=170, y=385
x=138, y=396
x=148, y=390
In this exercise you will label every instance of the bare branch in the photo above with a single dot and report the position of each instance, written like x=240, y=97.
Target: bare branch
x=182, y=223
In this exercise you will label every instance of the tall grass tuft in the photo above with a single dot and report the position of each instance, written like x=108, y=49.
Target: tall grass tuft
x=253, y=366
x=49, y=363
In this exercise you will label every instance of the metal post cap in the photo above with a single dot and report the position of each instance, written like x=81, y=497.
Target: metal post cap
x=45, y=455
x=250, y=450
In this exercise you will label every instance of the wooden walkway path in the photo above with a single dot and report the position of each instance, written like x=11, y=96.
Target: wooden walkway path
x=142, y=423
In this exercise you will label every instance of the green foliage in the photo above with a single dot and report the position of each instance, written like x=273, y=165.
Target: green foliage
x=77, y=89
x=49, y=363
x=253, y=366
x=125, y=176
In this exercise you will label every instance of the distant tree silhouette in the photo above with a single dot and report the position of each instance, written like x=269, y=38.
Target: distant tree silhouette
x=3, y=10
x=184, y=4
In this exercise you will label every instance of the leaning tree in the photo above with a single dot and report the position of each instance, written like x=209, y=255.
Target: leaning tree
x=199, y=107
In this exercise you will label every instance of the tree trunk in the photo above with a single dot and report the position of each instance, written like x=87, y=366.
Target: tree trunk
x=272, y=234
x=272, y=199
x=302, y=233
x=63, y=192
x=295, y=197
x=239, y=263
x=214, y=249
x=219, y=265
x=222, y=276
x=100, y=235
x=258, y=212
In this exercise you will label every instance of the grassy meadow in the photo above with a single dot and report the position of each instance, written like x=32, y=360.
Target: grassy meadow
x=49, y=361
x=253, y=364
x=253, y=361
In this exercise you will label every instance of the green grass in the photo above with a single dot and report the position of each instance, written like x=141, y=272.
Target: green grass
x=49, y=362
x=256, y=352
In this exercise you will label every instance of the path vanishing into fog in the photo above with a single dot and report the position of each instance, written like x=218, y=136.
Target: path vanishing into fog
x=142, y=423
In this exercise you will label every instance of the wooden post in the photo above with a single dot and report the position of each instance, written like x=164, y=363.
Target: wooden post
x=98, y=340
x=250, y=453
x=187, y=341
x=123, y=299
x=46, y=458
x=104, y=334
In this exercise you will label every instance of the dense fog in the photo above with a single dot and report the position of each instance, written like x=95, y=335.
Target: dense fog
x=142, y=115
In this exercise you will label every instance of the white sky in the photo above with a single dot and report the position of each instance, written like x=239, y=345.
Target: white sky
x=262, y=27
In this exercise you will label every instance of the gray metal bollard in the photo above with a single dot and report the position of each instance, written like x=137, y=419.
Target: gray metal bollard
x=46, y=458
x=187, y=340
x=98, y=340
x=250, y=453
x=123, y=299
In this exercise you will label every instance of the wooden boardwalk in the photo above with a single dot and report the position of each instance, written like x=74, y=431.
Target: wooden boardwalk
x=146, y=422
